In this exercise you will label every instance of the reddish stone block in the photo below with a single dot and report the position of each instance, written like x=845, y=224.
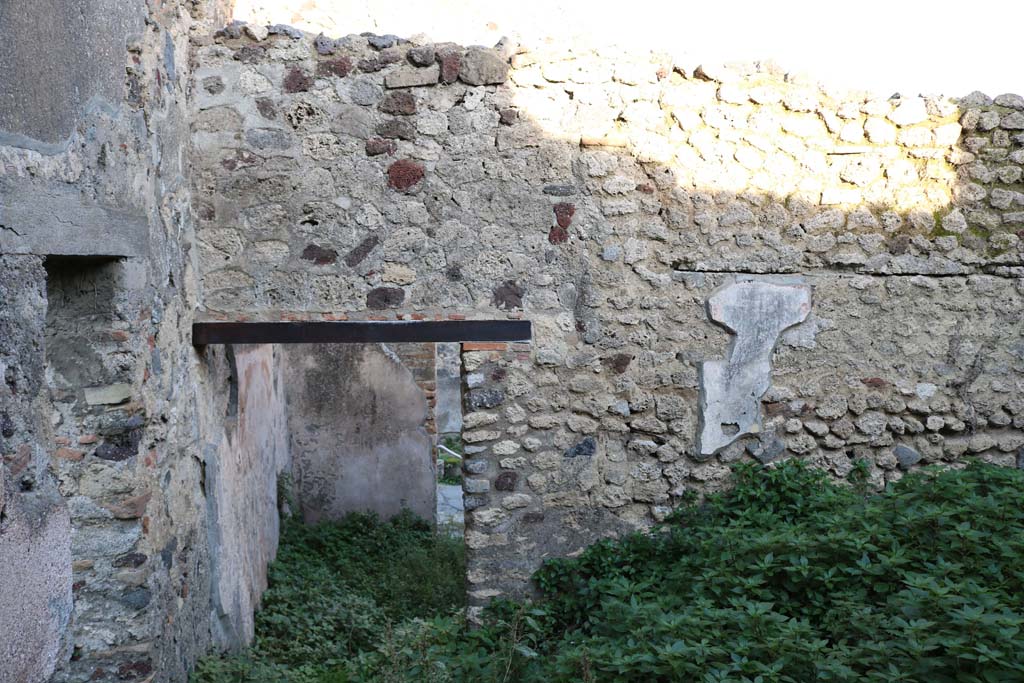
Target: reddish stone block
x=506, y=481
x=451, y=64
x=404, y=173
x=320, y=256
x=401, y=103
x=380, y=298
x=361, y=251
x=340, y=67
x=564, y=212
x=297, y=80
x=558, y=235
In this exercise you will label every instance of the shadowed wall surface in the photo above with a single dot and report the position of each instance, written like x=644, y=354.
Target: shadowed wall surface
x=358, y=431
x=242, y=475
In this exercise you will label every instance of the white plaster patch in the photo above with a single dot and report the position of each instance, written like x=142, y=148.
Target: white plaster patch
x=731, y=390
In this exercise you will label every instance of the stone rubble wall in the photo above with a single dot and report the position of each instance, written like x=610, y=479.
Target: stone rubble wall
x=306, y=161
x=612, y=199
x=106, y=474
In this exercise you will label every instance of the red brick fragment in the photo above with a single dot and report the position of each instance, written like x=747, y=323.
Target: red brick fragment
x=69, y=454
x=129, y=508
x=484, y=346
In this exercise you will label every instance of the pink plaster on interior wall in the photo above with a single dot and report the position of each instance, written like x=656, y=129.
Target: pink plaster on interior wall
x=243, y=473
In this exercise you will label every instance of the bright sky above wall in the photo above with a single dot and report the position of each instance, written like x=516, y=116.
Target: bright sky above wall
x=885, y=46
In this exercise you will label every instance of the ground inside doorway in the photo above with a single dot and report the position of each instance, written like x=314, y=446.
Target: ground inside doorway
x=337, y=591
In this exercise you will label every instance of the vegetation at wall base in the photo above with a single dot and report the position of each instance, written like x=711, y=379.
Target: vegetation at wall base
x=335, y=590
x=786, y=577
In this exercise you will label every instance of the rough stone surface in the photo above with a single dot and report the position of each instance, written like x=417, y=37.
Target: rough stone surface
x=242, y=470
x=55, y=219
x=449, y=389
x=410, y=77
x=404, y=174
x=385, y=297
x=422, y=56
x=483, y=67
x=35, y=525
x=340, y=67
x=108, y=498
x=57, y=71
x=906, y=457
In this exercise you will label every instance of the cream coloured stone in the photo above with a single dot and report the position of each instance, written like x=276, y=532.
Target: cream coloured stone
x=909, y=112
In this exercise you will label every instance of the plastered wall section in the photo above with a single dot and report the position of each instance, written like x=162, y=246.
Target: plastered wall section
x=242, y=472
x=35, y=527
x=612, y=198
x=359, y=430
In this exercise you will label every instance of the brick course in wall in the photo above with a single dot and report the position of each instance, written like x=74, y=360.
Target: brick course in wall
x=421, y=360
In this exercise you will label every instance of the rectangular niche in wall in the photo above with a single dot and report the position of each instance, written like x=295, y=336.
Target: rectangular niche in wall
x=97, y=425
x=88, y=353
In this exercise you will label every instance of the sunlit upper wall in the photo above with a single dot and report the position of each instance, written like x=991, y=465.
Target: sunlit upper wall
x=885, y=46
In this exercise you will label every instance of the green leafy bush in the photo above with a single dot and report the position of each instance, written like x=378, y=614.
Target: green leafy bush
x=785, y=578
x=452, y=465
x=335, y=589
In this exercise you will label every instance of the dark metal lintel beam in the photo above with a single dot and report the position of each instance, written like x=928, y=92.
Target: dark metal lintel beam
x=360, y=332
